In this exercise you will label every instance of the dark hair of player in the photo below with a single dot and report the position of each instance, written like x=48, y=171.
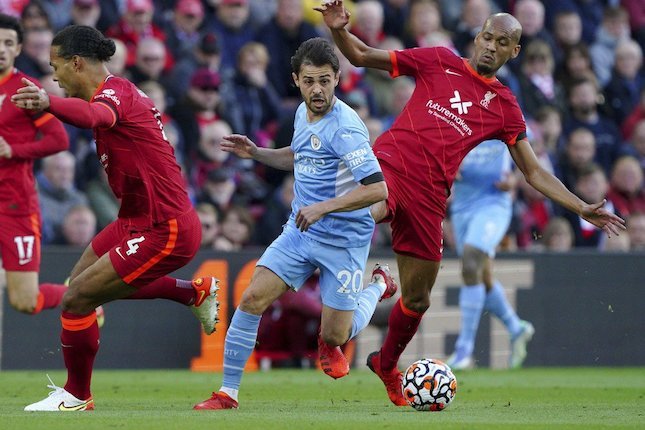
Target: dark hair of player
x=84, y=41
x=316, y=52
x=10, y=23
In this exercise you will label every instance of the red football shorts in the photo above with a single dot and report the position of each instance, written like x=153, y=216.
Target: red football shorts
x=141, y=256
x=415, y=214
x=20, y=242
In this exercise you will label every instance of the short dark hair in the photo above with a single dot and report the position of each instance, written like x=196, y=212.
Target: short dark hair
x=10, y=23
x=85, y=42
x=316, y=52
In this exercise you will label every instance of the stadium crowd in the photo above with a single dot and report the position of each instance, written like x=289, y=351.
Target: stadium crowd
x=216, y=67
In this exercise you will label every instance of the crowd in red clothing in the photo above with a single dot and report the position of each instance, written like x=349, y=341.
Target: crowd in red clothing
x=215, y=67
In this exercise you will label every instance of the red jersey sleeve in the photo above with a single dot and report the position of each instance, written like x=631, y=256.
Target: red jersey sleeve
x=412, y=62
x=514, y=128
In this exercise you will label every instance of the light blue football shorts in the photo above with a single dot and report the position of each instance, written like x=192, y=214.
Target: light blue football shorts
x=294, y=258
x=482, y=228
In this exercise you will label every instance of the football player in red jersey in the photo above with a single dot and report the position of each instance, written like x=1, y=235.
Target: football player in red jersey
x=157, y=230
x=457, y=104
x=24, y=137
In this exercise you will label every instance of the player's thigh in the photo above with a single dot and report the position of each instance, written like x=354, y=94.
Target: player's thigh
x=264, y=289
x=99, y=283
x=88, y=258
x=487, y=227
x=289, y=258
x=341, y=274
x=417, y=277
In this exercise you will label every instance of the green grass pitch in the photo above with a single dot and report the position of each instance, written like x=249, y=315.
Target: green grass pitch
x=571, y=398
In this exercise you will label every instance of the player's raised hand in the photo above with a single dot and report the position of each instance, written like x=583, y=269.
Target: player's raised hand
x=334, y=13
x=30, y=97
x=239, y=145
x=609, y=222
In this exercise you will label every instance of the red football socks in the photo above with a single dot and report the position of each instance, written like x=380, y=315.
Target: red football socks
x=402, y=325
x=49, y=296
x=168, y=288
x=80, y=343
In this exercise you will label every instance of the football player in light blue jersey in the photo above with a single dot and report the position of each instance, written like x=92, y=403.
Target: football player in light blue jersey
x=480, y=212
x=337, y=178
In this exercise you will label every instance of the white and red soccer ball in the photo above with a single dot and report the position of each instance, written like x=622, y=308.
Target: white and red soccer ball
x=429, y=385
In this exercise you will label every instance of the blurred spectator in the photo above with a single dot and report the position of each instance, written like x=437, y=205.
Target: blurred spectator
x=289, y=328
x=537, y=85
x=397, y=13
x=236, y=229
x=253, y=105
x=34, y=17
x=424, y=24
x=636, y=231
x=357, y=100
x=85, y=12
x=57, y=193
x=557, y=236
x=201, y=106
x=530, y=14
x=351, y=80
x=59, y=12
x=623, y=91
x=135, y=25
x=567, y=32
x=578, y=153
x=278, y=208
x=102, y=200
x=116, y=65
x=637, y=115
x=183, y=30
x=626, y=186
x=591, y=186
x=233, y=27
x=617, y=242
x=79, y=227
x=368, y=22
x=614, y=29
x=157, y=93
x=575, y=66
x=637, y=143
x=218, y=189
x=149, y=62
x=532, y=212
x=282, y=36
x=209, y=156
x=473, y=15
x=584, y=98
x=380, y=81
x=209, y=219
x=34, y=58
x=110, y=13
x=206, y=55
x=589, y=11
x=549, y=122
x=402, y=90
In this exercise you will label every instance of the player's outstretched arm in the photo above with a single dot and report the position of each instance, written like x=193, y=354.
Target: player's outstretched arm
x=244, y=147
x=360, y=197
x=551, y=187
x=336, y=17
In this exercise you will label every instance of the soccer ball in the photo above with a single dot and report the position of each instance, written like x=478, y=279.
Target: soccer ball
x=429, y=385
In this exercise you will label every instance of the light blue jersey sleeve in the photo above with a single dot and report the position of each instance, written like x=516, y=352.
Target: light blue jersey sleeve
x=331, y=157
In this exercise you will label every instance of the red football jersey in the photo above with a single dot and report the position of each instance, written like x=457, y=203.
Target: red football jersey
x=19, y=127
x=452, y=110
x=140, y=162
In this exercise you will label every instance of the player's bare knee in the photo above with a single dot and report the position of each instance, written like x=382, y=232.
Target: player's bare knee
x=252, y=303
x=77, y=303
x=417, y=304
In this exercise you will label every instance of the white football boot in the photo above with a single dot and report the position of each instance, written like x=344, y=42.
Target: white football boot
x=518, y=345
x=60, y=400
x=206, y=306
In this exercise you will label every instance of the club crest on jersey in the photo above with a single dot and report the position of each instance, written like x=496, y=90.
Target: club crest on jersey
x=315, y=142
x=487, y=98
x=2, y=97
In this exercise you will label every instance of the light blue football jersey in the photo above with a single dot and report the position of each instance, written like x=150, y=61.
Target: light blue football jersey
x=331, y=157
x=486, y=164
